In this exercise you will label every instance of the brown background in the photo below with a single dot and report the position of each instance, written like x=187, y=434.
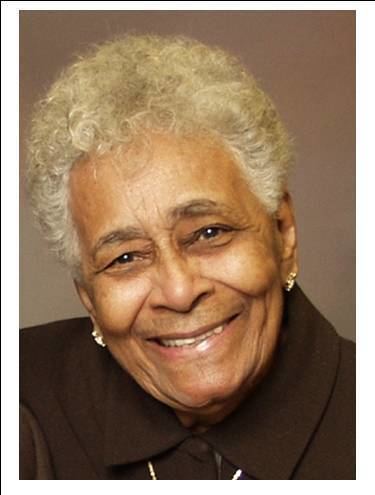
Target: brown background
x=305, y=60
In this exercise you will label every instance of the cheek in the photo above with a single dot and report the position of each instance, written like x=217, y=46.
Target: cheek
x=117, y=304
x=251, y=270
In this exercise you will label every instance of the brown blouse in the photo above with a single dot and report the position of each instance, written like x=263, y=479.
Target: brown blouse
x=83, y=417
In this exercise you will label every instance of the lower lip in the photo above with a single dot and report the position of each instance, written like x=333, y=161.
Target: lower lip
x=197, y=349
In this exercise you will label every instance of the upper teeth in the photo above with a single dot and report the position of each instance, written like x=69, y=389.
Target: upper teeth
x=191, y=341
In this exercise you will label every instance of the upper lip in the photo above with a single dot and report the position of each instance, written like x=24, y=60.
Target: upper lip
x=193, y=334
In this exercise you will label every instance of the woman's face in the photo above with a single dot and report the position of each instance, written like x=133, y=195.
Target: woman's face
x=182, y=270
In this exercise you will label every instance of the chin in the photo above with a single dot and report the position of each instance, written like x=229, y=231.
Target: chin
x=202, y=397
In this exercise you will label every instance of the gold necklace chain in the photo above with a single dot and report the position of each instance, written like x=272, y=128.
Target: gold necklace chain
x=153, y=476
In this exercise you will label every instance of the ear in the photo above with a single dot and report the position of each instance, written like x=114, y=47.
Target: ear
x=86, y=299
x=287, y=235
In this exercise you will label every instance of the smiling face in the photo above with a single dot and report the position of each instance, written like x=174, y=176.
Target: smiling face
x=182, y=270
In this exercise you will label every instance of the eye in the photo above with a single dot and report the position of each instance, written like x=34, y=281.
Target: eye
x=124, y=258
x=209, y=233
x=130, y=261
x=211, y=236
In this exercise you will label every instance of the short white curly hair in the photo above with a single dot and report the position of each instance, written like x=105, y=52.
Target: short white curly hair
x=134, y=83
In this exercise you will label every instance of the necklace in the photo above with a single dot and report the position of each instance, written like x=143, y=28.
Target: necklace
x=151, y=470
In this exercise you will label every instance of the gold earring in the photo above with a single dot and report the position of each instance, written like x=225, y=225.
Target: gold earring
x=290, y=281
x=98, y=337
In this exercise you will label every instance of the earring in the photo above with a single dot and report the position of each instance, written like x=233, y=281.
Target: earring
x=98, y=337
x=290, y=281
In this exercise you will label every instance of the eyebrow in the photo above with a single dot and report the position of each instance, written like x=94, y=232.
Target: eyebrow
x=190, y=209
x=116, y=237
x=198, y=207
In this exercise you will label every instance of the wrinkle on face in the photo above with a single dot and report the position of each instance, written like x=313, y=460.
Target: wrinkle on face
x=182, y=184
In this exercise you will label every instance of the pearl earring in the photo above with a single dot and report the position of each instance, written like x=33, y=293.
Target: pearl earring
x=290, y=281
x=98, y=336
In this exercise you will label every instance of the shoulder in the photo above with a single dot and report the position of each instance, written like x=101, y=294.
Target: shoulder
x=342, y=401
x=54, y=333
x=50, y=341
x=63, y=384
x=348, y=352
x=330, y=453
x=34, y=457
x=46, y=350
x=330, y=350
x=346, y=374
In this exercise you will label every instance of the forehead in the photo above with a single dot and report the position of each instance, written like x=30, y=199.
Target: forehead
x=156, y=175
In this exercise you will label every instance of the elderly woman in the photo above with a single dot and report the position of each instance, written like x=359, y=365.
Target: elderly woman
x=158, y=173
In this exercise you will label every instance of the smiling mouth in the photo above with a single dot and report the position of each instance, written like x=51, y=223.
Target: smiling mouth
x=193, y=340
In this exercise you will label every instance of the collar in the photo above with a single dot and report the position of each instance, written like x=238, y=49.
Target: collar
x=267, y=435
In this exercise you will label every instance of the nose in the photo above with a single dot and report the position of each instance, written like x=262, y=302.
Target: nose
x=177, y=284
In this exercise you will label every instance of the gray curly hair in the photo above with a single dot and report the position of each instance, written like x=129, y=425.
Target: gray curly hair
x=135, y=83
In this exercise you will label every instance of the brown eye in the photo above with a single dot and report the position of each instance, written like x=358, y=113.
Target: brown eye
x=210, y=232
x=125, y=258
x=213, y=236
